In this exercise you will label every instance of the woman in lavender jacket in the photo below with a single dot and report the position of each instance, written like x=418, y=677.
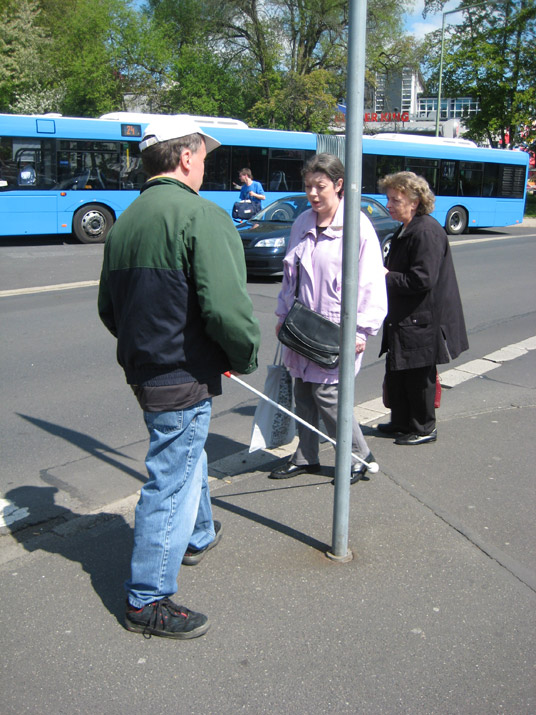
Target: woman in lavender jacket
x=316, y=243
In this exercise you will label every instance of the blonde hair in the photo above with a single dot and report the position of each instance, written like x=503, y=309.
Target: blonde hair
x=415, y=187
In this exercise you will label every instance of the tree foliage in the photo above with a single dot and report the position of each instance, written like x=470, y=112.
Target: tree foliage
x=290, y=55
x=82, y=56
x=491, y=57
x=22, y=44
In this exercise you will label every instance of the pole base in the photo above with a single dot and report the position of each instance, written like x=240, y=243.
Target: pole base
x=340, y=559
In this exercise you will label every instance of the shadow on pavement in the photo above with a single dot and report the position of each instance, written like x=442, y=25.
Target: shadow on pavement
x=223, y=502
x=88, y=542
x=92, y=446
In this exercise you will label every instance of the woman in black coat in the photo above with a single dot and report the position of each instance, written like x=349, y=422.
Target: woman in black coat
x=424, y=326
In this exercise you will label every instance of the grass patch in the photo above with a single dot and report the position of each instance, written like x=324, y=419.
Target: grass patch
x=530, y=206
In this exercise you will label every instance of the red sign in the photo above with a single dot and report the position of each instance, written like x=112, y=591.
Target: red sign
x=387, y=117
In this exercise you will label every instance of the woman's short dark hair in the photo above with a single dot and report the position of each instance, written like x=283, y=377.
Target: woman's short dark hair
x=415, y=187
x=164, y=157
x=327, y=164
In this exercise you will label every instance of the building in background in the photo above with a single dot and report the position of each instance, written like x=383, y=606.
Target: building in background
x=395, y=104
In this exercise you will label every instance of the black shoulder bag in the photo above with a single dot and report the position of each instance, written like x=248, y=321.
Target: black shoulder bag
x=310, y=334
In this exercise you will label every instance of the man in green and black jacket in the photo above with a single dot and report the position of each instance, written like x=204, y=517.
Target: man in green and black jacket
x=173, y=293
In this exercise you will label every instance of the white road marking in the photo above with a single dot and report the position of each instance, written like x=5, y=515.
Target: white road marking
x=47, y=289
x=86, y=284
x=10, y=512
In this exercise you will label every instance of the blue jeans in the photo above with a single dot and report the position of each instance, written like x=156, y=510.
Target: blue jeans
x=174, y=509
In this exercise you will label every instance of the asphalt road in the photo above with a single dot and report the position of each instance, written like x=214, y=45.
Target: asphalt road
x=65, y=400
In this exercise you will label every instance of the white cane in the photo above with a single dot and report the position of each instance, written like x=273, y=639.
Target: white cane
x=371, y=466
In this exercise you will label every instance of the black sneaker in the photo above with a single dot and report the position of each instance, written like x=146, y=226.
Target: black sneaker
x=194, y=556
x=164, y=618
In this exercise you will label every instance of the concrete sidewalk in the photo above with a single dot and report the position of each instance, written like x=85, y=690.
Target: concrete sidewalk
x=434, y=614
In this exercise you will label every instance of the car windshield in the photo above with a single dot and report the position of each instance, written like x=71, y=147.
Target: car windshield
x=284, y=210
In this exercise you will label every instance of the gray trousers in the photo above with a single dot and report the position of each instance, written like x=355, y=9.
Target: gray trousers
x=314, y=400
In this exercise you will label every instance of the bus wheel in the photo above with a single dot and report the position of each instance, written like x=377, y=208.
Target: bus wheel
x=91, y=223
x=456, y=222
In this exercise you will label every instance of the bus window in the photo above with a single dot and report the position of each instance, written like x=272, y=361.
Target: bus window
x=388, y=165
x=448, y=180
x=218, y=170
x=88, y=165
x=470, y=182
x=426, y=168
x=26, y=164
x=132, y=174
x=254, y=158
x=512, y=181
x=285, y=169
x=276, y=169
x=490, y=181
x=369, y=183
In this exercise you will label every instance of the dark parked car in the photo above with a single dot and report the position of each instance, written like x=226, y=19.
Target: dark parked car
x=265, y=236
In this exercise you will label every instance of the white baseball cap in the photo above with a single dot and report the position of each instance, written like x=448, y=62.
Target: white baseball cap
x=175, y=127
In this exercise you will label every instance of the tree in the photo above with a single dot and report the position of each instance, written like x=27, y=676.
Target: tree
x=290, y=55
x=491, y=58
x=82, y=55
x=278, y=63
x=22, y=42
x=301, y=102
x=201, y=84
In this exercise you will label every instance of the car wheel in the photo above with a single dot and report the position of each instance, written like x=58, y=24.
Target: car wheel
x=281, y=214
x=457, y=220
x=386, y=247
x=91, y=223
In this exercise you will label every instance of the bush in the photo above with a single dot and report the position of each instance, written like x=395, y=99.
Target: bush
x=530, y=206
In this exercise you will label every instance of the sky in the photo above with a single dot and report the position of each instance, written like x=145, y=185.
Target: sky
x=417, y=26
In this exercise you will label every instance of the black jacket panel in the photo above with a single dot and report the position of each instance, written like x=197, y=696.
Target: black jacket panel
x=425, y=323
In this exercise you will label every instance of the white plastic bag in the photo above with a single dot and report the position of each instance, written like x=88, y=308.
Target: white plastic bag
x=271, y=427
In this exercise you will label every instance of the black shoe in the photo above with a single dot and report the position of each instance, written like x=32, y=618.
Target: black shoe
x=292, y=470
x=413, y=439
x=194, y=556
x=359, y=470
x=164, y=618
x=390, y=428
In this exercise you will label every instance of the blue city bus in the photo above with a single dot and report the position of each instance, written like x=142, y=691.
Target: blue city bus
x=474, y=187
x=63, y=175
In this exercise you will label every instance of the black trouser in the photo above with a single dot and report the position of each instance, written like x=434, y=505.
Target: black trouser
x=412, y=396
